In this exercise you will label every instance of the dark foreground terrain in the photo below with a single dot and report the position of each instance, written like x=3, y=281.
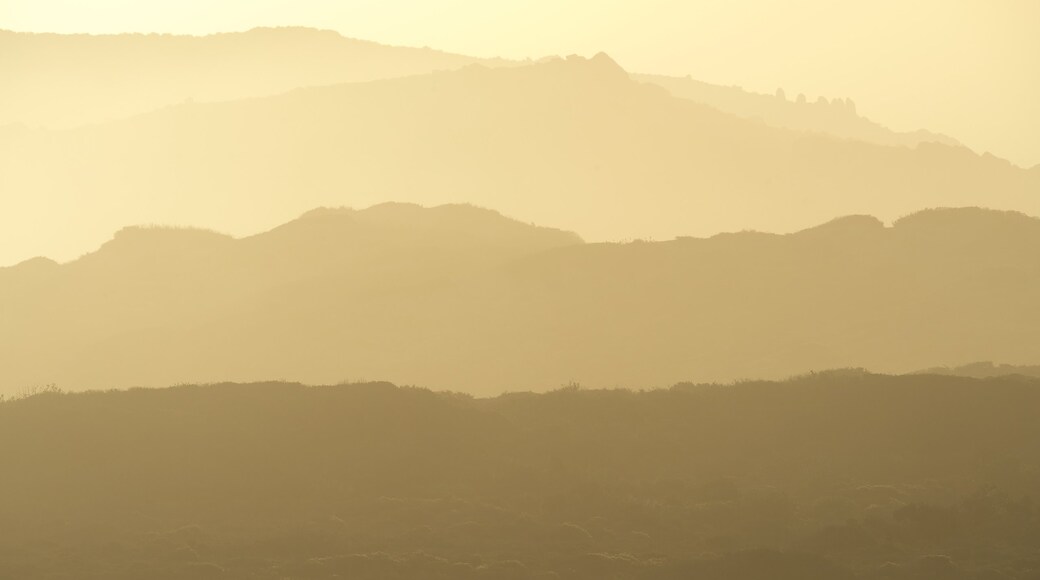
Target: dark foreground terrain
x=828, y=476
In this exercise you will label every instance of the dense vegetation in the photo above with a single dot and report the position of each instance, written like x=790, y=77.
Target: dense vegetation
x=832, y=475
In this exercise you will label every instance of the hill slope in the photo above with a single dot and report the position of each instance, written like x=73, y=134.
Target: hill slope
x=60, y=81
x=457, y=297
x=568, y=143
x=837, y=117
x=65, y=80
x=835, y=476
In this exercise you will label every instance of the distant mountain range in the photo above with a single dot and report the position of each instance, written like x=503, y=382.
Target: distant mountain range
x=65, y=80
x=837, y=117
x=984, y=370
x=463, y=298
x=60, y=81
x=571, y=143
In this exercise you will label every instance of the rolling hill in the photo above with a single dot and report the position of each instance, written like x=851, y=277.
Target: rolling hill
x=61, y=81
x=567, y=143
x=832, y=476
x=458, y=297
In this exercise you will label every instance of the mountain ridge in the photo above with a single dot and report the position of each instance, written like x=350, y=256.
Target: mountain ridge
x=481, y=221
x=156, y=70
x=566, y=143
x=332, y=297
x=402, y=215
x=837, y=117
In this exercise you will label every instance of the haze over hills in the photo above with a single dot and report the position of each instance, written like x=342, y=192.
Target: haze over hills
x=837, y=117
x=61, y=81
x=332, y=278
x=461, y=298
x=690, y=345
x=985, y=370
x=572, y=143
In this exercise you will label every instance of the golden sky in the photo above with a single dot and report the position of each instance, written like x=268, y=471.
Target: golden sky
x=969, y=68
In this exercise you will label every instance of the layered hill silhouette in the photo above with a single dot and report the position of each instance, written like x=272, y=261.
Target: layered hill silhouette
x=61, y=81
x=985, y=370
x=571, y=143
x=332, y=277
x=833, y=476
x=463, y=298
x=666, y=358
x=837, y=117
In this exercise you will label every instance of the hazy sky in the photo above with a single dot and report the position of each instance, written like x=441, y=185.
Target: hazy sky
x=970, y=68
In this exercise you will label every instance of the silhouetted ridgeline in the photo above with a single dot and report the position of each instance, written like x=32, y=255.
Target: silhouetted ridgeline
x=572, y=143
x=837, y=117
x=828, y=476
x=59, y=81
x=983, y=370
x=459, y=297
x=63, y=80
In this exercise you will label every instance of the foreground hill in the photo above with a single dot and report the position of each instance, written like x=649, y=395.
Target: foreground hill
x=831, y=476
x=567, y=143
x=64, y=80
x=458, y=297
